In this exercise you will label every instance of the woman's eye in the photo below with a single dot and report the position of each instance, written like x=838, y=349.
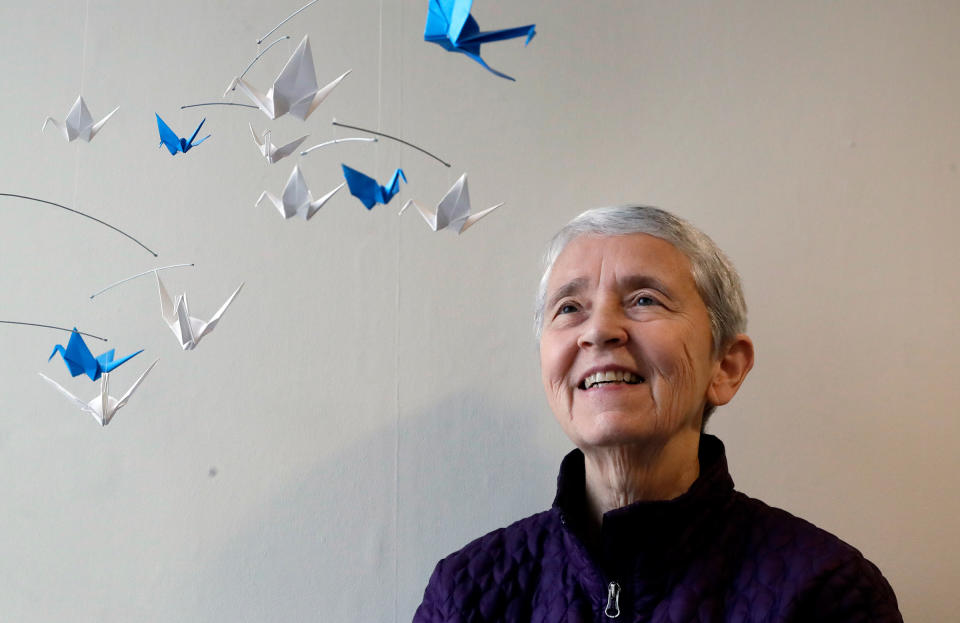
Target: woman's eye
x=567, y=308
x=644, y=301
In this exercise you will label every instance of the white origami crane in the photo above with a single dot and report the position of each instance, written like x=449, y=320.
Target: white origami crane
x=294, y=91
x=189, y=330
x=297, y=198
x=79, y=123
x=453, y=212
x=104, y=406
x=270, y=151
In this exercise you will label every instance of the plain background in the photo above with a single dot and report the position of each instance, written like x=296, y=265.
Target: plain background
x=372, y=401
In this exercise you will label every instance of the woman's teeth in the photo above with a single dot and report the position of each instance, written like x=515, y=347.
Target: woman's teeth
x=612, y=376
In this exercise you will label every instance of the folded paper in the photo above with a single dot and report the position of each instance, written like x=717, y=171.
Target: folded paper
x=80, y=360
x=79, y=123
x=295, y=90
x=103, y=406
x=453, y=211
x=270, y=151
x=368, y=191
x=174, y=143
x=297, y=200
x=450, y=25
x=189, y=330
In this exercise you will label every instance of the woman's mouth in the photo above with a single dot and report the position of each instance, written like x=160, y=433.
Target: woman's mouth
x=611, y=376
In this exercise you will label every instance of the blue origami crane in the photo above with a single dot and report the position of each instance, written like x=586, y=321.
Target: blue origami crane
x=80, y=360
x=450, y=25
x=366, y=189
x=174, y=143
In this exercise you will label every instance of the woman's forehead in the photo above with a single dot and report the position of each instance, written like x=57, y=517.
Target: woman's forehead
x=628, y=257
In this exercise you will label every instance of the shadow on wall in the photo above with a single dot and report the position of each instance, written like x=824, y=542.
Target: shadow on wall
x=322, y=549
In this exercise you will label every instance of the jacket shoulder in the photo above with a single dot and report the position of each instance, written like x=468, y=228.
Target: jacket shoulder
x=820, y=576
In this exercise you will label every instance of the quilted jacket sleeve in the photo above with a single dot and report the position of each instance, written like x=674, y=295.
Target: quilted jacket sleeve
x=854, y=592
x=431, y=609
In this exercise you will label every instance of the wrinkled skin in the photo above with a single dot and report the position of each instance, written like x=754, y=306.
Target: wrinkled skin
x=629, y=303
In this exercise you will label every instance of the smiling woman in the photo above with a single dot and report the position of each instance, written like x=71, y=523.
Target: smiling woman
x=641, y=322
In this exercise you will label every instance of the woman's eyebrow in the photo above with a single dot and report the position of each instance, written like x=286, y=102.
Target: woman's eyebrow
x=567, y=289
x=636, y=282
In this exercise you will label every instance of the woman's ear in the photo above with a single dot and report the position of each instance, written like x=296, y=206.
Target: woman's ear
x=736, y=360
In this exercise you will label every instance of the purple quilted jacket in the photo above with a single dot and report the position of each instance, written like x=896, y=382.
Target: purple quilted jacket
x=713, y=554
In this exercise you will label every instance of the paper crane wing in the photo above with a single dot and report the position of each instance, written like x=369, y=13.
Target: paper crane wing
x=295, y=193
x=362, y=186
x=297, y=82
x=473, y=218
x=96, y=127
x=190, y=143
x=85, y=407
x=279, y=153
x=168, y=137
x=126, y=396
x=314, y=206
x=107, y=363
x=79, y=120
x=307, y=107
x=455, y=205
x=206, y=327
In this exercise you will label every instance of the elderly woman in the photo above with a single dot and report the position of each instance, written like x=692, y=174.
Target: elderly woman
x=641, y=321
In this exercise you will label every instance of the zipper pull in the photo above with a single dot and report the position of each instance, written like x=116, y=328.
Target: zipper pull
x=613, y=601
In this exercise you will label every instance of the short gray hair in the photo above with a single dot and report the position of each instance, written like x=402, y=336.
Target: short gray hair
x=716, y=279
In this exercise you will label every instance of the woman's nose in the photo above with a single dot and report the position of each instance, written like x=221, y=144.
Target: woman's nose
x=605, y=327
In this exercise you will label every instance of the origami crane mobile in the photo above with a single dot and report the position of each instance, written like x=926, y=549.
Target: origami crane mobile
x=270, y=151
x=297, y=199
x=453, y=211
x=104, y=406
x=174, y=143
x=80, y=360
x=450, y=25
x=295, y=90
x=189, y=330
x=79, y=123
x=366, y=189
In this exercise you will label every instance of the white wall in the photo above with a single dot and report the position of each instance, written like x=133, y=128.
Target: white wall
x=371, y=401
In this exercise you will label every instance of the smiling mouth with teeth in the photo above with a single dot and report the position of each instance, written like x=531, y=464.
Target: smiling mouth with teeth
x=606, y=378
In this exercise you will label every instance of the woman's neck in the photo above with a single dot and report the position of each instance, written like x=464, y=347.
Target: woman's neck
x=620, y=475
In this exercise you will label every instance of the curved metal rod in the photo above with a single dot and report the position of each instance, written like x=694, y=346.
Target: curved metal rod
x=290, y=17
x=393, y=138
x=50, y=326
x=257, y=58
x=146, y=272
x=217, y=104
x=338, y=140
x=92, y=218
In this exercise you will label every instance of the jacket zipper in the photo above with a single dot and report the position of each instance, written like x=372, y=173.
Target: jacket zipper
x=612, y=610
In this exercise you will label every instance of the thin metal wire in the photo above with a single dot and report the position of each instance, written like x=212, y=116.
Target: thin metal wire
x=257, y=58
x=50, y=326
x=146, y=272
x=393, y=138
x=290, y=17
x=92, y=218
x=338, y=140
x=218, y=104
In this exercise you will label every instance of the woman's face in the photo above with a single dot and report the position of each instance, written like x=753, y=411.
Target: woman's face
x=625, y=352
